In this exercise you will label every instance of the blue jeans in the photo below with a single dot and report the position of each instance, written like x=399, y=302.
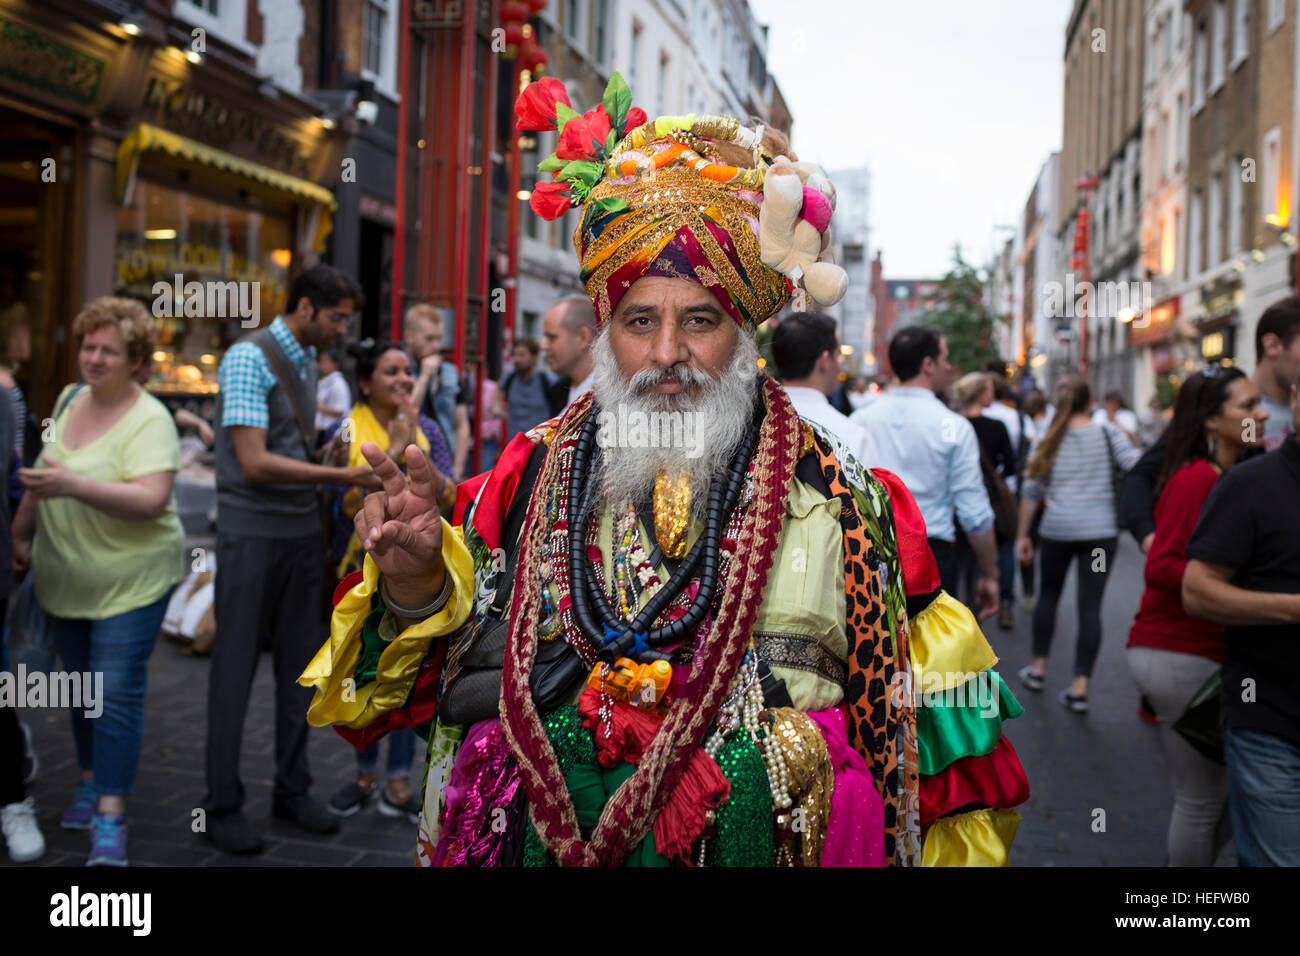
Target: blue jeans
x=401, y=750
x=1264, y=797
x=117, y=647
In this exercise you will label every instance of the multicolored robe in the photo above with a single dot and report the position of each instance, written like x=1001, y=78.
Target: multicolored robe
x=503, y=790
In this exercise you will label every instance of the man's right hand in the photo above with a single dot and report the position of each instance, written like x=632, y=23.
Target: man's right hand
x=401, y=528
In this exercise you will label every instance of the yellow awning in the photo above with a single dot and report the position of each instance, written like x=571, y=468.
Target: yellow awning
x=227, y=166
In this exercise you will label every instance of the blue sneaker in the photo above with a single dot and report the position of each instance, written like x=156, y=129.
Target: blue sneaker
x=107, y=840
x=78, y=816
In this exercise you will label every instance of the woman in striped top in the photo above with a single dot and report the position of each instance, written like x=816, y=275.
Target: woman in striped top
x=1072, y=469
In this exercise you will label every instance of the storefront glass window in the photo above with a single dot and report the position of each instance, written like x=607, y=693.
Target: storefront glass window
x=210, y=272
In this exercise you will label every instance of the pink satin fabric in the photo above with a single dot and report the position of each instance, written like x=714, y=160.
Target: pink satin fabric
x=855, y=829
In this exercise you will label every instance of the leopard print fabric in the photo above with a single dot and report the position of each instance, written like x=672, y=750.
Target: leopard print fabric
x=882, y=723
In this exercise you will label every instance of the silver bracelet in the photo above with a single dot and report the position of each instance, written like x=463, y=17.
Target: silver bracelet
x=419, y=614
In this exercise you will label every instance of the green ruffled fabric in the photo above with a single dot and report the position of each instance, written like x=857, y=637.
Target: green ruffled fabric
x=372, y=644
x=590, y=787
x=946, y=733
x=743, y=837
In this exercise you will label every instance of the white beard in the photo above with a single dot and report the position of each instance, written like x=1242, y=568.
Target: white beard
x=709, y=428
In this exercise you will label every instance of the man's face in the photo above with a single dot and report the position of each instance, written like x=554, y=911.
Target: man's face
x=661, y=323
x=942, y=368
x=1112, y=407
x=329, y=324
x=1286, y=361
x=524, y=359
x=423, y=338
x=563, y=348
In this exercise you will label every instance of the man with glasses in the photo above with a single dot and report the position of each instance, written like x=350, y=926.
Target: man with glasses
x=270, y=558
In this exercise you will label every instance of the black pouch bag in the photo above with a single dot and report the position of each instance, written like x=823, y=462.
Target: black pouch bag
x=473, y=692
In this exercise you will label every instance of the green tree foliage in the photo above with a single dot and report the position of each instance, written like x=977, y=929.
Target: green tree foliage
x=957, y=310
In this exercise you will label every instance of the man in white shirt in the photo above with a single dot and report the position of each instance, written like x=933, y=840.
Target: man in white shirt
x=806, y=350
x=1113, y=411
x=1004, y=410
x=568, y=329
x=936, y=454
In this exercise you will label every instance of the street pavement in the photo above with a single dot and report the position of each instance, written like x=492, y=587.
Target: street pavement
x=1099, y=795
x=1099, y=791
x=170, y=784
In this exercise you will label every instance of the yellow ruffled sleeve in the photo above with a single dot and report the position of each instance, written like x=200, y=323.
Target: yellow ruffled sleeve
x=978, y=838
x=337, y=699
x=947, y=646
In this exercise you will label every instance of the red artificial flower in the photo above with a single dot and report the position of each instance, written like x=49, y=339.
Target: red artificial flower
x=635, y=117
x=577, y=135
x=535, y=107
x=548, y=200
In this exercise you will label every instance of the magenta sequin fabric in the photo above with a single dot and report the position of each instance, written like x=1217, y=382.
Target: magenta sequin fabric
x=855, y=828
x=483, y=782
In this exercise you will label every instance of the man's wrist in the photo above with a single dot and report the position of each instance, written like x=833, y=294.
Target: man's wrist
x=405, y=596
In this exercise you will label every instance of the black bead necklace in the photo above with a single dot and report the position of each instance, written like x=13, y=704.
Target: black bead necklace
x=615, y=637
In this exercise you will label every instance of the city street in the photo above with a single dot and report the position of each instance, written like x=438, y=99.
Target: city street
x=1108, y=761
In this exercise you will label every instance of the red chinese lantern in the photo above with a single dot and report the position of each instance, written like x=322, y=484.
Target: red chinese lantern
x=514, y=34
x=537, y=5
x=515, y=11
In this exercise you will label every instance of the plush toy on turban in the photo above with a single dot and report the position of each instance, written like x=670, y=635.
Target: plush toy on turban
x=695, y=197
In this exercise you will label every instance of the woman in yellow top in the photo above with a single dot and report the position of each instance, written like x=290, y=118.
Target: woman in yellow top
x=386, y=415
x=99, y=529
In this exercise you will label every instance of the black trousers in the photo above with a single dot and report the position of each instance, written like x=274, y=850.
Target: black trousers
x=1094, y=559
x=268, y=591
x=945, y=556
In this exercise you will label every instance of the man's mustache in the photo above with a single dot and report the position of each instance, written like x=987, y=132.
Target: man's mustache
x=680, y=374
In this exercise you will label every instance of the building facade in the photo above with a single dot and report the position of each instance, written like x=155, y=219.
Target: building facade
x=1241, y=148
x=1038, y=350
x=148, y=146
x=1102, y=141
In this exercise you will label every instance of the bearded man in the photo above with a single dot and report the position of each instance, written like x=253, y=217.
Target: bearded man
x=678, y=624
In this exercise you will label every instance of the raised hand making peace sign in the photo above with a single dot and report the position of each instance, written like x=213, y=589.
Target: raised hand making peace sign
x=401, y=527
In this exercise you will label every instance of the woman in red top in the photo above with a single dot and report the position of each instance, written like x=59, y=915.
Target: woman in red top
x=1216, y=417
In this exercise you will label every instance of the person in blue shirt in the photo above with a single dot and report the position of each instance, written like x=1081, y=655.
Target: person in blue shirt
x=935, y=452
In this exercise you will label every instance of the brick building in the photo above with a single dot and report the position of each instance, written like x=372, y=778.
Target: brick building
x=1240, y=182
x=1102, y=139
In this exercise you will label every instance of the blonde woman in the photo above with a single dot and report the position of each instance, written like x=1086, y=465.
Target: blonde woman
x=1071, y=469
x=106, y=551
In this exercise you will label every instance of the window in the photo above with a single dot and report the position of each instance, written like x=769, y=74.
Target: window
x=1214, y=220
x=1165, y=168
x=634, y=54
x=1219, y=52
x=225, y=18
x=1236, y=213
x=1240, y=31
x=599, y=42
x=573, y=19
x=1194, y=236
x=373, y=38
x=1200, y=56
x=1270, y=180
x=1174, y=262
x=1276, y=12
x=660, y=84
x=1180, y=141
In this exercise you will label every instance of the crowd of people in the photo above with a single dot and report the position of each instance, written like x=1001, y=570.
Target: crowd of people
x=625, y=652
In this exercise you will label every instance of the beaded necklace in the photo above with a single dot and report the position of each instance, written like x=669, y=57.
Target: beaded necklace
x=619, y=636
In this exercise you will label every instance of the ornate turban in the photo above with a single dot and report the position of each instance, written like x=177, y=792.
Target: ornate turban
x=658, y=200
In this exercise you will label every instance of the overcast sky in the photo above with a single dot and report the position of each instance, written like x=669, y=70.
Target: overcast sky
x=953, y=104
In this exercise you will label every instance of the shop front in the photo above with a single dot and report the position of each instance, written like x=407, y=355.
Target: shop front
x=208, y=238
x=128, y=168
x=1216, y=326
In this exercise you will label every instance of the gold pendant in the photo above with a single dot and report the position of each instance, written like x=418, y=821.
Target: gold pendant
x=672, y=513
